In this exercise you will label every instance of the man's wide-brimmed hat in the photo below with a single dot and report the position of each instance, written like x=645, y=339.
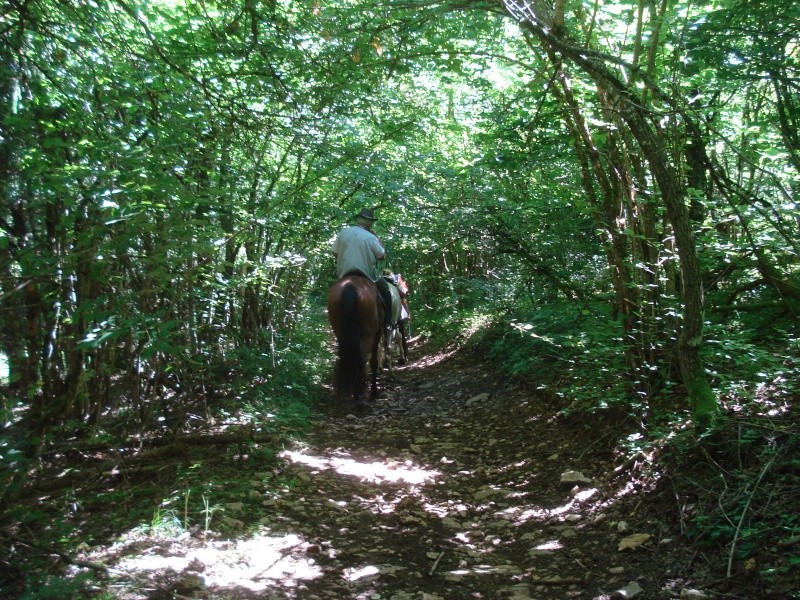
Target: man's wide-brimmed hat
x=367, y=213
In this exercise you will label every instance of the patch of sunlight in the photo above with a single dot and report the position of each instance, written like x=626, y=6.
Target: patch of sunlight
x=767, y=395
x=439, y=510
x=486, y=570
x=378, y=503
x=257, y=564
x=475, y=545
x=628, y=488
x=585, y=494
x=374, y=472
x=463, y=537
x=521, y=514
x=551, y=545
x=520, y=494
x=429, y=361
x=446, y=508
x=4, y=371
x=354, y=574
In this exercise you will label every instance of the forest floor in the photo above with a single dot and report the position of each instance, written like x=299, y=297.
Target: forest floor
x=452, y=486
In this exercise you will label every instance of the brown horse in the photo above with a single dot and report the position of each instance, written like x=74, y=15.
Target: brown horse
x=355, y=312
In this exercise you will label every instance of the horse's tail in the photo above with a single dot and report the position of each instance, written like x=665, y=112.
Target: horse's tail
x=350, y=367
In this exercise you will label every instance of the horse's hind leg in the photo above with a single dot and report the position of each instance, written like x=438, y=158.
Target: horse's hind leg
x=359, y=404
x=388, y=349
x=403, y=342
x=373, y=365
x=358, y=398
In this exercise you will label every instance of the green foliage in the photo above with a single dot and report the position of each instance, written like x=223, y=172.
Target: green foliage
x=569, y=352
x=16, y=462
x=180, y=193
x=164, y=523
x=173, y=173
x=735, y=487
x=746, y=366
x=58, y=588
x=210, y=496
x=14, y=466
x=277, y=388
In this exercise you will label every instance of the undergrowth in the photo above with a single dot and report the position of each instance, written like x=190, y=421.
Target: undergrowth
x=730, y=492
x=734, y=495
x=572, y=355
x=199, y=490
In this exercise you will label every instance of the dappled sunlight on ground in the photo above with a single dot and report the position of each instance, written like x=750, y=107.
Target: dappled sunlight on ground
x=484, y=570
x=373, y=472
x=437, y=492
x=265, y=561
x=433, y=359
x=452, y=485
x=354, y=574
x=525, y=513
x=549, y=545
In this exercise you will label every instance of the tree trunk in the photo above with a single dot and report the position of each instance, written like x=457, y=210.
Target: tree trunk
x=536, y=18
x=690, y=338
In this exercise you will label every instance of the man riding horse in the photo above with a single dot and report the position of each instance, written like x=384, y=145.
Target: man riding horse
x=357, y=250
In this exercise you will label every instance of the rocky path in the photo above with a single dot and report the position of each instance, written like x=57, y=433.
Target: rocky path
x=452, y=487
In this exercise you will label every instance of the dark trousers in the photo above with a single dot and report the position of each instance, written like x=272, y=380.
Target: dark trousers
x=386, y=296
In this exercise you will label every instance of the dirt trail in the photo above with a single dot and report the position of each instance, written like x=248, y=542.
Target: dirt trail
x=450, y=488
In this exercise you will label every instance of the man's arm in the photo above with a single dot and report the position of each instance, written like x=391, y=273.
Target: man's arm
x=378, y=249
